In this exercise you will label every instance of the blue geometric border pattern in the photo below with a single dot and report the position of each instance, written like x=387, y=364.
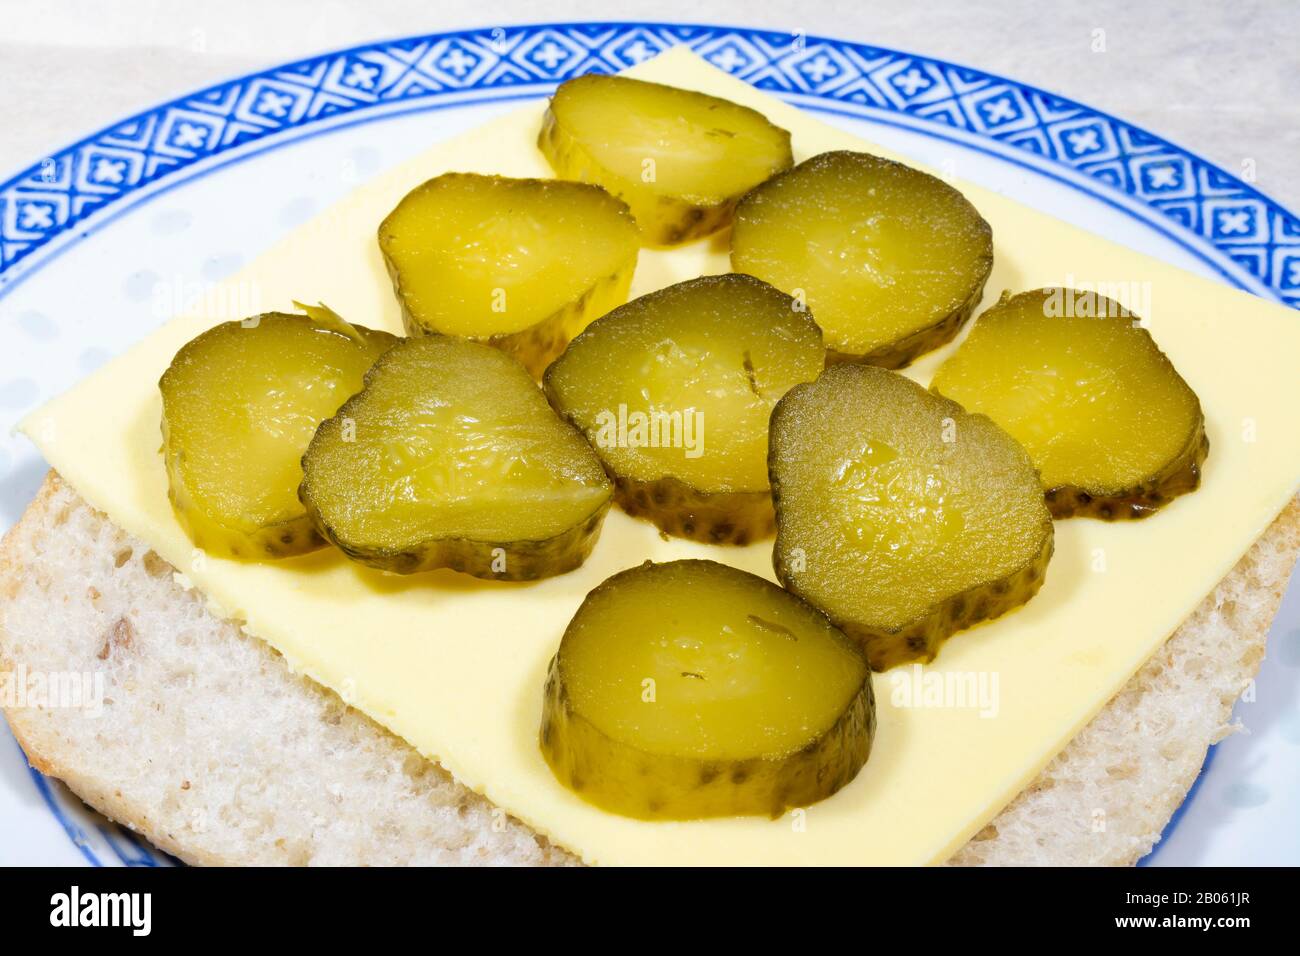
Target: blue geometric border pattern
x=59, y=192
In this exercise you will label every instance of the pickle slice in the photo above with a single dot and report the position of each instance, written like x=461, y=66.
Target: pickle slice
x=240, y=403
x=521, y=264
x=451, y=458
x=900, y=515
x=678, y=158
x=692, y=689
x=674, y=390
x=1110, y=424
x=890, y=259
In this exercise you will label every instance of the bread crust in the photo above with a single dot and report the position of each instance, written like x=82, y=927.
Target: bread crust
x=1113, y=771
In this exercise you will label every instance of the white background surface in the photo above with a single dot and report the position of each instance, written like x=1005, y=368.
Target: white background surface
x=1222, y=80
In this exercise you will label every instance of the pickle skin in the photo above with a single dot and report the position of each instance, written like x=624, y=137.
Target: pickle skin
x=905, y=351
x=688, y=788
x=674, y=220
x=920, y=640
x=1182, y=476
x=615, y=776
x=731, y=512
x=678, y=509
x=541, y=343
x=284, y=540
x=1179, y=476
x=524, y=560
x=902, y=352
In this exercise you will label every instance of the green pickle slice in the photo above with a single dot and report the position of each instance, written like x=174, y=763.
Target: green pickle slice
x=521, y=264
x=678, y=158
x=692, y=689
x=240, y=403
x=1076, y=379
x=901, y=516
x=450, y=457
x=891, y=260
x=674, y=391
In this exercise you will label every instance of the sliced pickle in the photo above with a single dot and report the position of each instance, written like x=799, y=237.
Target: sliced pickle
x=674, y=390
x=678, y=158
x=900, y=515
x=692, y=689
x=890, y=259
x=1110, y=424
x=240, y=403
x=451, y=458
x=521, y=264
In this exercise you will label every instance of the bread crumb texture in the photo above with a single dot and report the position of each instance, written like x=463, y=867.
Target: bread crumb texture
x=206, y=743
x=1105, y=799
x=210, y=747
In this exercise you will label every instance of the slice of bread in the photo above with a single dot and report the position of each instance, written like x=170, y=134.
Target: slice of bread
x=211, y=748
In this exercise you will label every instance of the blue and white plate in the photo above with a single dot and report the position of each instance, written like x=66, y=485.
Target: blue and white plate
x=101, y=241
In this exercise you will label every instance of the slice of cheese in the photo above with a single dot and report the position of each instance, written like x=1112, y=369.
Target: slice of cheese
x=456, y=666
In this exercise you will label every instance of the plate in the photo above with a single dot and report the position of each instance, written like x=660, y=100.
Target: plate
x=104, y=240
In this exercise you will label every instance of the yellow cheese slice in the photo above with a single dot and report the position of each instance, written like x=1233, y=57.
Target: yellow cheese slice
x=456, y=665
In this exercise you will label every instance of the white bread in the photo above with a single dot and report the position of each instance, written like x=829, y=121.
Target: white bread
x=212, y=749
